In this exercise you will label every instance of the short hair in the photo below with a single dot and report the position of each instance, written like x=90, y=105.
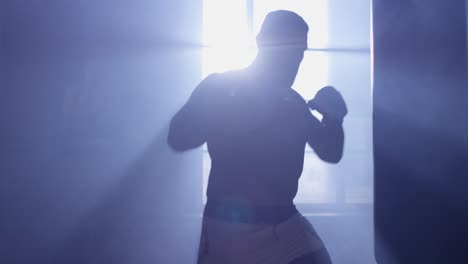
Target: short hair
x=283, y=27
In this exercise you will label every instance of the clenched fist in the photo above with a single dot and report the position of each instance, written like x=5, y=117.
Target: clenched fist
x=329, y=102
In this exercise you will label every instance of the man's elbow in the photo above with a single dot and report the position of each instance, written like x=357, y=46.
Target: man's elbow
x=181, y=143
x=176, y=147
x=331, y=157
x=175, y=136
x=176, y=144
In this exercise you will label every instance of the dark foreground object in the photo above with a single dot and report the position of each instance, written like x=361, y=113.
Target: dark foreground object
x=420, y=140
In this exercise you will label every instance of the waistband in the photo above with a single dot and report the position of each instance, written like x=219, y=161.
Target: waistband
x=243, y=213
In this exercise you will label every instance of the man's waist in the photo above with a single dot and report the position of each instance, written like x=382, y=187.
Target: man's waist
x=248, y=213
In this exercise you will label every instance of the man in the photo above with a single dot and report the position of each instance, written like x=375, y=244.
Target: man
x=256, y=128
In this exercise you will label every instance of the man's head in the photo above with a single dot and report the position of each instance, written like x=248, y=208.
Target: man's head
x=282, y=41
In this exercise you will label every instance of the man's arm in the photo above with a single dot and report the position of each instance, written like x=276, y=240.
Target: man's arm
x=188, y=127
x=326, y=138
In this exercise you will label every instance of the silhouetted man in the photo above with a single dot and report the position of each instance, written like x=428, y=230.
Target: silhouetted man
x=256, y=128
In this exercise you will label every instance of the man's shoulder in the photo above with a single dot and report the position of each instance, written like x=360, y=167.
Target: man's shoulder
x=208, y=84
x=224, y=77
x=221, y=83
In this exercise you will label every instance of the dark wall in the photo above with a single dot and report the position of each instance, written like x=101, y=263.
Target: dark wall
x=420, y=131
x=87, y=90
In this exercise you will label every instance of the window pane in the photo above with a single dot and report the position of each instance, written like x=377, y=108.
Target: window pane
x=228, y=42
x=313, y=73
x=318, y=183
x=350, y=180
x=349, y=24
x=351, y=74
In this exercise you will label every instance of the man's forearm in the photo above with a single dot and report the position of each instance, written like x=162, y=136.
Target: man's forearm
x=327, y=139
x=334, y=133
x=187, y=129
